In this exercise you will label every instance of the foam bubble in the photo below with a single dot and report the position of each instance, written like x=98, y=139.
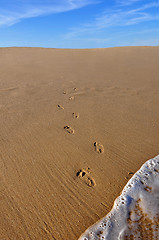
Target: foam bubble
x=135, y=212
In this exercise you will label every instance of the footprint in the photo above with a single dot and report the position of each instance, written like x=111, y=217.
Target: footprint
x=69, y=129
x=90, y=182
x=84, y=175
x=75, y=115
x=98, y=147
x=71, y=98
x=60, y=107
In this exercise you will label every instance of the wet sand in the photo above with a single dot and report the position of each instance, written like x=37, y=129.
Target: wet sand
x=73, y=125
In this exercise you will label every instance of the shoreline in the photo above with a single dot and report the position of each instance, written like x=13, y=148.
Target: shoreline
x=135, y=212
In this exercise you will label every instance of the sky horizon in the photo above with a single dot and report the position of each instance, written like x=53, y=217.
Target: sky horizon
x=79, y=23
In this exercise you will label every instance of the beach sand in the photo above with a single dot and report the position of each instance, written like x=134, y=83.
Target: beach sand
x=75, y=125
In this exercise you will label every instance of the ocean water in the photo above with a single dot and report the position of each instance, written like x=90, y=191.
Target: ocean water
x=135, y=214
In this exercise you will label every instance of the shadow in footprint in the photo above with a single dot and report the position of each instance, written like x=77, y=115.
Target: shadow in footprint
x=69, y=129
x=84, y=175
x=99, y=148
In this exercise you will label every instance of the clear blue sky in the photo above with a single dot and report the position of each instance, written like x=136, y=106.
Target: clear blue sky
x=79, y=23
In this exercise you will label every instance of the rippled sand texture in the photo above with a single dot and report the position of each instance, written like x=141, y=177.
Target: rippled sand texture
x=75, y=125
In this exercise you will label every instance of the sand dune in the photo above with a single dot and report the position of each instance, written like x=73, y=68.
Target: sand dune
x=74, y=127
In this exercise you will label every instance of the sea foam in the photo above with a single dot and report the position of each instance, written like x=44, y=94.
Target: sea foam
x=135, y=214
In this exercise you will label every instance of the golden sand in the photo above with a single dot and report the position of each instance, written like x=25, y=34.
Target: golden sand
x=43, y=146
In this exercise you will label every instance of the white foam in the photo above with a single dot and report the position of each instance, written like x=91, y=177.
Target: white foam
x=135, y=212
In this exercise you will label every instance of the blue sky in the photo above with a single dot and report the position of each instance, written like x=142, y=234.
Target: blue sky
x=79, y=23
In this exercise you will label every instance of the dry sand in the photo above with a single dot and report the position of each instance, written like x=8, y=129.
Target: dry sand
x=73, y=124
